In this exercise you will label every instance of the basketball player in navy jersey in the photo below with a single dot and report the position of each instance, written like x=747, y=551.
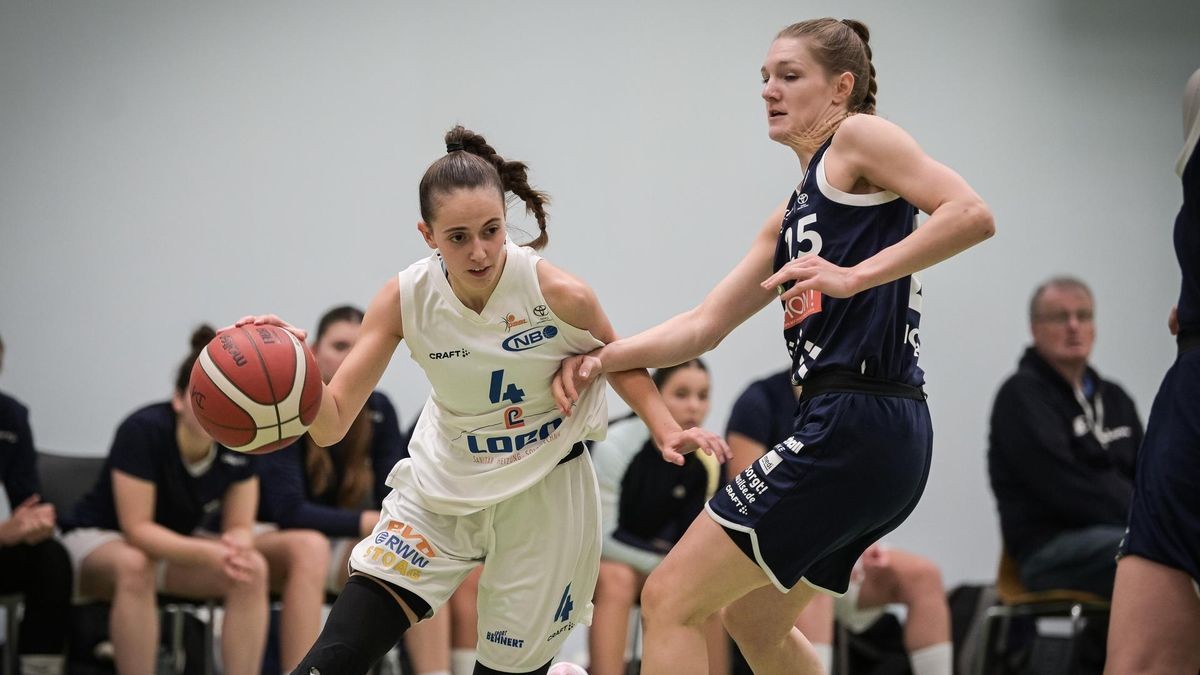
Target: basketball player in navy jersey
x=1155, y=622
x=496, y=474
x=843, y=251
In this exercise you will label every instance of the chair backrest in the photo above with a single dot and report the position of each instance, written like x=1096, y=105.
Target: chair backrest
x=66, y=478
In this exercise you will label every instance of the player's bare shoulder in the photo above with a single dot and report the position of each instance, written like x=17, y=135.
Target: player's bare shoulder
x=384, y=313
x=568, y=296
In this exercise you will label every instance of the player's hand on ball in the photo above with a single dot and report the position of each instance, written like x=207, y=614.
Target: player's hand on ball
x=678, y=443
x=269, y=320
x=812, y=272
x=574, y=374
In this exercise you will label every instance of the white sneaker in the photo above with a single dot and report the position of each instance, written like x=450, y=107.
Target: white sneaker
x=565, y=668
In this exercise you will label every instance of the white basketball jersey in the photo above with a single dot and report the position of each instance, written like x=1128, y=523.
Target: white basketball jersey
x=490, y=428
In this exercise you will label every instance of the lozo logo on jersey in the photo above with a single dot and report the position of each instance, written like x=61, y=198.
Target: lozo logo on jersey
x=802, y=200
x=528, y=339
x=507, y=444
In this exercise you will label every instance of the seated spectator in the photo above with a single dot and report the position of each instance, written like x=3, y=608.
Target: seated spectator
x=1061, y=450
x=762, y=416
x=1061, y=453
x=32, y=562
x=137, y=531
x=646, y=505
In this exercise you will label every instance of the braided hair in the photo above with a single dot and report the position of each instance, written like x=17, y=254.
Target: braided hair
x=470, y=162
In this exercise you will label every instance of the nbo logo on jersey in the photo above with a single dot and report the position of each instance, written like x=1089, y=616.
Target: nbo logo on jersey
x=528, y=339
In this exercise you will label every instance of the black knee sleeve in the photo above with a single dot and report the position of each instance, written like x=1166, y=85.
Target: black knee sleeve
x=363, y=625
x=481, y=669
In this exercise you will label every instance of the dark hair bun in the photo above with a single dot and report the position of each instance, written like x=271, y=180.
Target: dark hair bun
x=202, y=336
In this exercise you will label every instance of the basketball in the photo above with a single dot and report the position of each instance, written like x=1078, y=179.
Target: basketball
x=255, y=388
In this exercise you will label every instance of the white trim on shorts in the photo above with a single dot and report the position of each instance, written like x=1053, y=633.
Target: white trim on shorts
x=762, y=564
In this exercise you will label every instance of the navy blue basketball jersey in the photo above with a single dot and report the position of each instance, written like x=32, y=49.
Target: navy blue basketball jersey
x=1187, y=235
x=875, y=332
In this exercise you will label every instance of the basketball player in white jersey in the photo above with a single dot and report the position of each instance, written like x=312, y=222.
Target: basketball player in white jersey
x=497, y=473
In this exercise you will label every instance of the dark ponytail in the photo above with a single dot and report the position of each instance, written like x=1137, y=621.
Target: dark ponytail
x=470, y=163
x=867, y=98
x=200, y=338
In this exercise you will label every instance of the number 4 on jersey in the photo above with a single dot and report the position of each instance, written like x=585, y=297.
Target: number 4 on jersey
x=512, y=393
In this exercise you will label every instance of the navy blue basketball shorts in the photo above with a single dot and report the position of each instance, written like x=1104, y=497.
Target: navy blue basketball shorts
x=1164, y=518
x=852, y=470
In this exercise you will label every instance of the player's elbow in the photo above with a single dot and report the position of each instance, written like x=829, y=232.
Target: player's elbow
x=980, y=222
x=325, y=437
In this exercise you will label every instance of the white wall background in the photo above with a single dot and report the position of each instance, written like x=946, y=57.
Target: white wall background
x=164, y=164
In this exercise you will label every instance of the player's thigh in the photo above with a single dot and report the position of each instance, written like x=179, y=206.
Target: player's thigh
x=1155, y=619
x=207, y=581
x=421, y=552
x=102, y=567
x=293, y=552
x=540, y=574
x=704, y=572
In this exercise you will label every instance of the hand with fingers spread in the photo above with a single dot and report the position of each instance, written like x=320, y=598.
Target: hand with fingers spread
x=812, y=272
x=268, y=320
x=573, y=376
x=679, y=443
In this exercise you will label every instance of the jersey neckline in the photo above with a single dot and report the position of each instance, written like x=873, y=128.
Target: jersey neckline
x=484, y=316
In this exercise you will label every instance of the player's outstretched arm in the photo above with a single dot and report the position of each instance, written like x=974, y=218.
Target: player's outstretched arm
x=871, y=149
x=685, y=336
x=348, y=391
x=576, y=303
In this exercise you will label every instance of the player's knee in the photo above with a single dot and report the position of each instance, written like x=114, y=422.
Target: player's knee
x=922, y=579
x=363, y=624
x=735, y=620
x=134, y=571
x=308, y=554
x=662, y=604
x=617, y=581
